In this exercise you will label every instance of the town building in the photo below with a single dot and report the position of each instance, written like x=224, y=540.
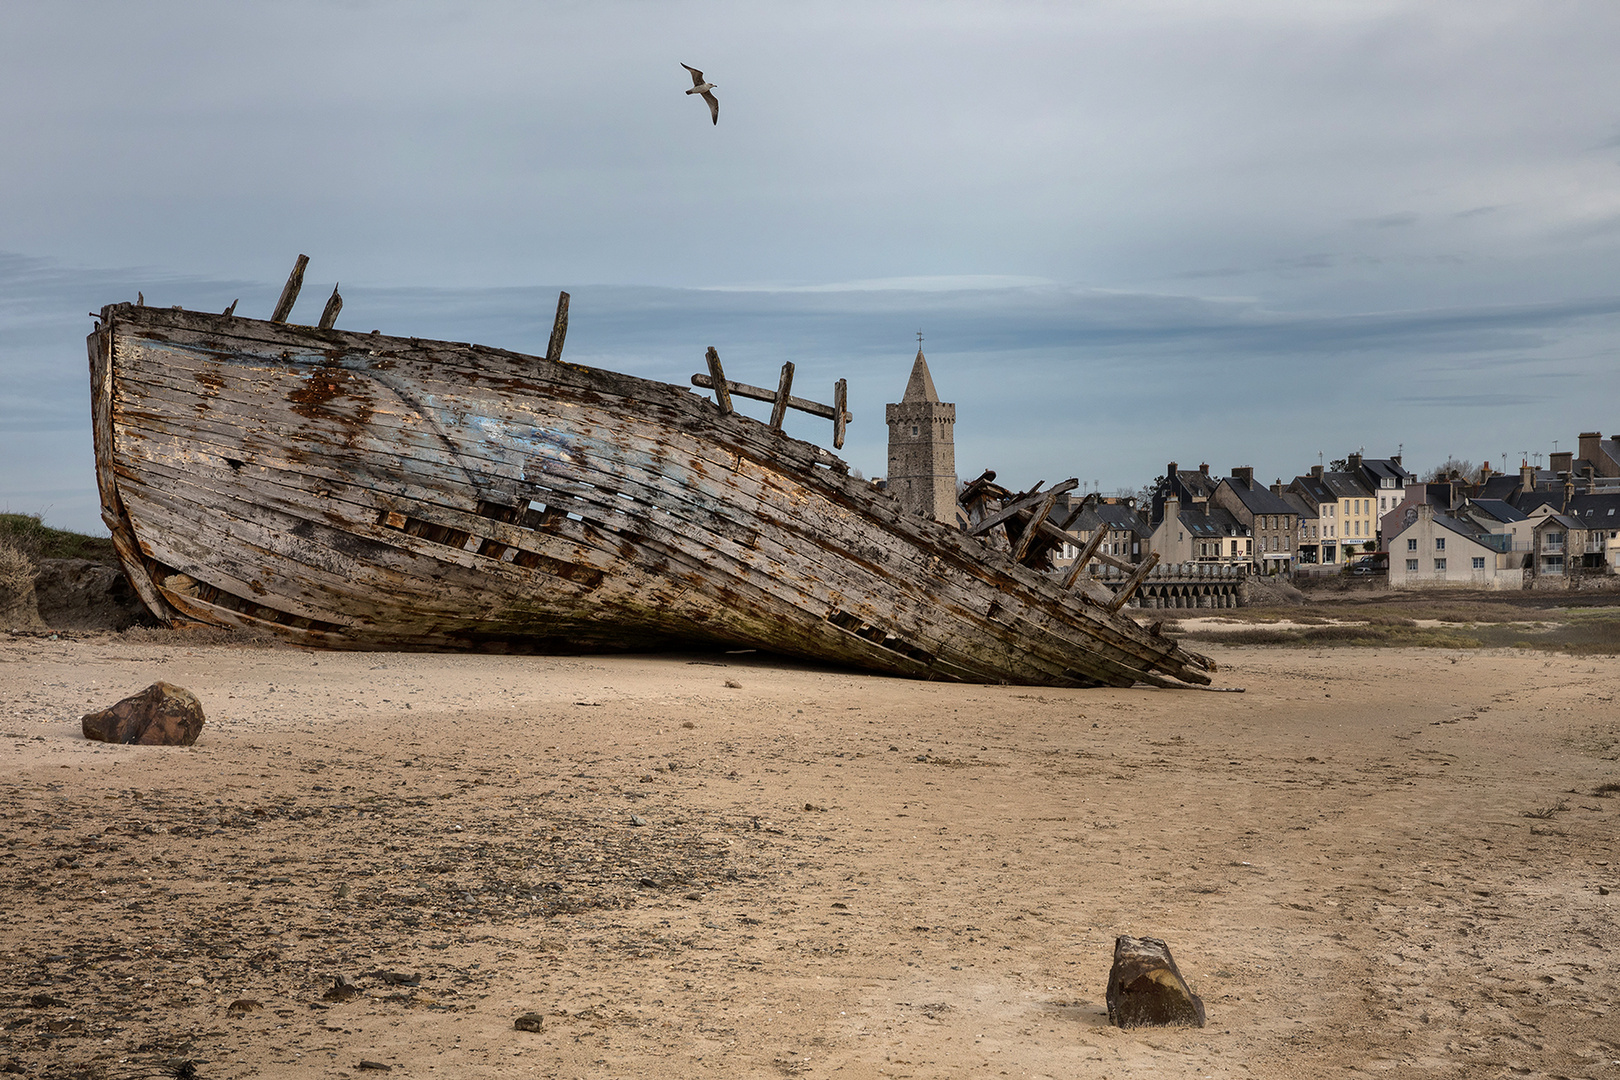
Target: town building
x=1272, y=521
x=1346, y=515
x=1435, y=548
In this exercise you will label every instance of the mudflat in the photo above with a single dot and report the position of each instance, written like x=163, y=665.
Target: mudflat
x=1395, y=862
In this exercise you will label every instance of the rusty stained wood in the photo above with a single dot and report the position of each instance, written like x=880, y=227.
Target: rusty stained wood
x=702, y=528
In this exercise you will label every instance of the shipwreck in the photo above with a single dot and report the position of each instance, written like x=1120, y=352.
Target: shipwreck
x=354, y=490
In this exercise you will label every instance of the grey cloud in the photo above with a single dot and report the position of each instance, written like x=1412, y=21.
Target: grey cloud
x=1387, y=221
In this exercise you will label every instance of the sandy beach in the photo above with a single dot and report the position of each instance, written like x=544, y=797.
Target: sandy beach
x=1370, y=862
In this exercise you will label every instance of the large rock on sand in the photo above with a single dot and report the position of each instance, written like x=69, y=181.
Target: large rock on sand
x=161, y=715
x=1146, y=989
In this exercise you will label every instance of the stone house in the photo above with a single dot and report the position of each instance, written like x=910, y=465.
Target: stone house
x=1272, y=521
x=1201, y=533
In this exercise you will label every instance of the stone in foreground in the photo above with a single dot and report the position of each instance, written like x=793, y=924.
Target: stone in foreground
x=161, y=715
x=1145, y=988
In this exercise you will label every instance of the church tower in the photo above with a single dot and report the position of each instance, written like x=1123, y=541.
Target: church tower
x=922, y=447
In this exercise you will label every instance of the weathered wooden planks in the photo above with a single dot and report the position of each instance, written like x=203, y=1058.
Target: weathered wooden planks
x=378, y=490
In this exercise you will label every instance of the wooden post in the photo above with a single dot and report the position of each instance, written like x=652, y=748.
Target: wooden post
x=559, y=329
x=779, y=409
x=1033, y=528
x=329, y=313
x=289, y=292
x=840, y=417
x=722, y=389
x=1085, y=556
x=1122, y=597
x=232, y=309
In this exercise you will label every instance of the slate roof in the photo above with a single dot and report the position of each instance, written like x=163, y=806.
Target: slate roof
x=1499, y=486
x=1300, y=505
x=1345, y=485
x=1111, y=516
x=1197, y=483
x=1257, y=498
x=1375, y=469
x=1211, y=523
x=1600, y=506
x=1497, y=509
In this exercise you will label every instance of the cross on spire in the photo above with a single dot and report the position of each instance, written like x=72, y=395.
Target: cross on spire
x=919, y=341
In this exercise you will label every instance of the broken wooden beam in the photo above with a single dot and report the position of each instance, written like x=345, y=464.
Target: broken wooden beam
x=289, y=291
x=1032, y=528
x=780, y=404
x=717, y=380
x=1126, y=590
x=329, y=313
x=814, y=408
x=841, y=415
x=1083, y=558
x=559, y=329
x=1018, y=506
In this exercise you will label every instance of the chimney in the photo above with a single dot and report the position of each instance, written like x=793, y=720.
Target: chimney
x=1397, y=459
x=1355, y=462
x=1569, y=489
x=1316, y=471
x=1170, y=471
x=1560, y=462
x=1527, y=477
x=1245, y=475
x=1591, y=445
x=1204, y=468
x=1276, y=487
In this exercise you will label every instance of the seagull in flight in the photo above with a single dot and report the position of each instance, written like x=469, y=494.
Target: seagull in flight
x=702, y=86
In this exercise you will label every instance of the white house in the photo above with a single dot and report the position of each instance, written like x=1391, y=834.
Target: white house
x=1437, y=549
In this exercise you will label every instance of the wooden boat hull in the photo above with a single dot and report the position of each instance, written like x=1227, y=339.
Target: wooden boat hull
x=362, y=491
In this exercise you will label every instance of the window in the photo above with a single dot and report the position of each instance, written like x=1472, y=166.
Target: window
x=914, y=429
x=1439, y=566
x=1439, y=543
x=1411, y=566
x=1411, y=543
x=1479, y=562
x=1248, y=546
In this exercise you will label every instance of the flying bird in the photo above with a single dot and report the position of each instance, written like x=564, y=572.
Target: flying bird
x=702, y=86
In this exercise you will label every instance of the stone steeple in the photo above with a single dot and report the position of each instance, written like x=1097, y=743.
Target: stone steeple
x=922, y=447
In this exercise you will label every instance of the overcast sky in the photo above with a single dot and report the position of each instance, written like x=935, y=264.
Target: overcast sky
x=1242, y=232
